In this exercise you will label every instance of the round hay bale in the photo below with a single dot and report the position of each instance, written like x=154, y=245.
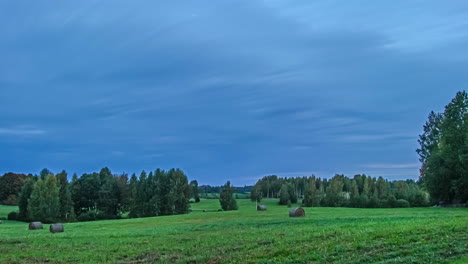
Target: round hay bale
x=261, y=207
x=296, y=212
x=56, y=228
x=35, y=225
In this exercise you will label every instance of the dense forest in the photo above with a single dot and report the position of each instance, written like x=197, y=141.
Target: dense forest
x=49, y=198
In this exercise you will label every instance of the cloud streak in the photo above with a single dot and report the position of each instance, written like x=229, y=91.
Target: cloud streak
x=21, y=132
x=393, y=166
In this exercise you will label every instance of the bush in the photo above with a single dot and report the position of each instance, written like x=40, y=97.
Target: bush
x=374, y=202
x=391, y=201
x=226, y=198
x=360, y=202
x=402, y=203
x=13, y=216
x=88, y=216
x=420, y=200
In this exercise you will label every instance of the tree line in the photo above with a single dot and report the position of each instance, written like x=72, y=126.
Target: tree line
x=51, y=198
x=340, y=191
x=443, y=153
x=213, y=192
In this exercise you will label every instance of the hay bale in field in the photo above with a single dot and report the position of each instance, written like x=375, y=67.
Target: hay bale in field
x=56, y=228
x=261, y=207
x=296, y=212
x=35, y=225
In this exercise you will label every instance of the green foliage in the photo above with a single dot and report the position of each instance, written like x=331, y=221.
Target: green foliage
x=24, y=196
x=67, y=212
x=10, y=186
x=391, y=201
x=292, y=193
x=13, y=216
x=444, y=152
x=181, y=190
x=401, y=203
x=108, y=197
x=361, y=191
x=133, y=203
x=226, y=198
x=284, y=195
x=91, y=215
x=310, y=197
x=194, y=190
x=159, y=193
x=85, y=192
x=420, y=200
x=5, y=210
x=44, y=204
x=256, y=194
x=44, y=173
x=334, y=193
x=124, y=192
x=165, y=193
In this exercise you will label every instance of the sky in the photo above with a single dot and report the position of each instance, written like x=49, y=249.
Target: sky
x=226, y=90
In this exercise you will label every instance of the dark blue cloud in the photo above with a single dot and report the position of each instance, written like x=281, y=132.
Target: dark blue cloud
x=232, y=90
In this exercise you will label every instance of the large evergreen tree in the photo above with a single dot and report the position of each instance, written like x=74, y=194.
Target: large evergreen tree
x=133, y=206
x=124, y=191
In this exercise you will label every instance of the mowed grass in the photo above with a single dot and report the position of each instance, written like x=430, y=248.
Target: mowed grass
x=324, y=235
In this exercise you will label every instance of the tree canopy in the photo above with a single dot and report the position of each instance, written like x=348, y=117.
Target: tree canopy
x=443, y=152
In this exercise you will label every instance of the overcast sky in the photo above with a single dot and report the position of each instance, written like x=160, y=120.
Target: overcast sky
x=226, y=90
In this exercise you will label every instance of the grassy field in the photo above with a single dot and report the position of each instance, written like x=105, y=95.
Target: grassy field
x=5, y=210
x=325, y=235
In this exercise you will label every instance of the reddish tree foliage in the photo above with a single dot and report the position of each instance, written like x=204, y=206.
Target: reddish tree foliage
x=10, y=186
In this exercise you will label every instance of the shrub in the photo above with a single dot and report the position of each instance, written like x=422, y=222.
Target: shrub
x=13, y=216
x=88, y=216
x=374, y=202
x=420, y=200
x=391, y=201
x=362, y=201
x=226, y=198
x=402, y=203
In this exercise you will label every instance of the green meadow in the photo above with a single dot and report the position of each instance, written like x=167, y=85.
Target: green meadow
x=5, y=210
x=324, y=235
